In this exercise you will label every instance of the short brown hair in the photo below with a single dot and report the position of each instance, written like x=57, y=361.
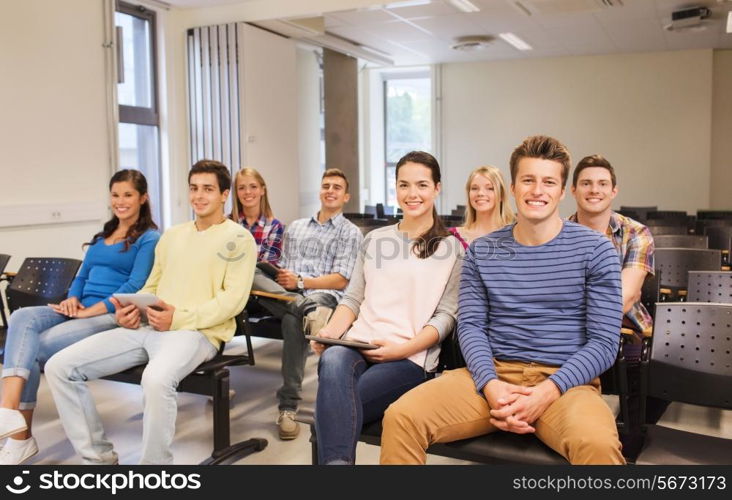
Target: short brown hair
x=546, y=148
x=335, y=172
x=212, y=167
x=593, y=161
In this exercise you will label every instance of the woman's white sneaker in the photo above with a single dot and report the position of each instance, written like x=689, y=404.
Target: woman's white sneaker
x=11, y=422
x=17, y=452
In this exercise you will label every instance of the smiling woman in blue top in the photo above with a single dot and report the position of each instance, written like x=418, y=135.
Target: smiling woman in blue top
x=118, y=260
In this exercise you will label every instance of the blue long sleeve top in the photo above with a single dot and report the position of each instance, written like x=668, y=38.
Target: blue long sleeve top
x=108, y=269
x=558, y=304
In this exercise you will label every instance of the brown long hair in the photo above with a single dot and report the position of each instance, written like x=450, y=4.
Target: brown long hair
x=144, y=221
x=428, y=242
x=264, y=207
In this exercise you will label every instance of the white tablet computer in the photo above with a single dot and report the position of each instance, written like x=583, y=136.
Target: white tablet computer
x=347, y=343
x=141, y=300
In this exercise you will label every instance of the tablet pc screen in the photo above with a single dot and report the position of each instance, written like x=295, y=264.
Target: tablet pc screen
x=268, y=269
x=347, y=343
x=141, y=300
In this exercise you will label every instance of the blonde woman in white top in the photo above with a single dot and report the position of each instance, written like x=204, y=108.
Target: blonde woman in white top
x=402, y=297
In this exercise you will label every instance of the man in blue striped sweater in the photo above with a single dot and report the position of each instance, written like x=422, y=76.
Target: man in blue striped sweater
x=539, y=317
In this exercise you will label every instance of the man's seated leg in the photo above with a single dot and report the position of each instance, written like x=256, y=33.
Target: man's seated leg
x=294, y=355
x=173, y=356
x=316, y=310
x=275, y=307
x=445, y=409
x=68, y=370
x=579, y=425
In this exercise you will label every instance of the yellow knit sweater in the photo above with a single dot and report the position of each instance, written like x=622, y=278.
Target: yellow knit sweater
x=205, y=275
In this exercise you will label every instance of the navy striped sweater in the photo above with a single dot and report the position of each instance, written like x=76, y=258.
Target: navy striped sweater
x=558, y=304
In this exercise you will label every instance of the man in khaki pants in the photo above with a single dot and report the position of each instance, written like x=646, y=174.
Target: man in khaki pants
x=539, y=317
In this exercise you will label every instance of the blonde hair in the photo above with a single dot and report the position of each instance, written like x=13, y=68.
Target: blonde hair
x=264, y=208
x=502, y=212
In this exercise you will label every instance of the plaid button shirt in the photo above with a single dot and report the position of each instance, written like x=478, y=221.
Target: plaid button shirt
x=313, y=249
x=635, y=246
x=268, y=234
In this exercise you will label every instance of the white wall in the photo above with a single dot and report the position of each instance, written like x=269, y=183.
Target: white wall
x=53, y=120
x=721, y=171
x=649, y=114
x=308, y=122
x=268, y=111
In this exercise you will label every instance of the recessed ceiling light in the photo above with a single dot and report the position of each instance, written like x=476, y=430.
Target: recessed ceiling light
x=407, y=3
x=464, y=5
x=515, y=41
x=472, y=42
x=693, y=28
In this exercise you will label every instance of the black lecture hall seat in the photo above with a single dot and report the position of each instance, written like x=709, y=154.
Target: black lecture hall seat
x=675, y=264
x=688, y=360
x=681, y=241
x=4, y=258
x=710, y=286
x=39, y=281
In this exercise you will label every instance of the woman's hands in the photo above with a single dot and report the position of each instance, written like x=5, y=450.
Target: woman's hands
x=317, y=347
x=387, y=351
x=70, y=307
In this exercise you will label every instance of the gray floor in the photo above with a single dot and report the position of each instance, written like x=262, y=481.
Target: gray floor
x=253, y=414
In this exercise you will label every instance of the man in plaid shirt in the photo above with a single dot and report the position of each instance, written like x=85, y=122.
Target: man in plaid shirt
x=594, y=187
x=316, y=265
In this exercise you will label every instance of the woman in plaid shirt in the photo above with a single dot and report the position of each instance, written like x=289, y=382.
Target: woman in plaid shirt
x=251, y=209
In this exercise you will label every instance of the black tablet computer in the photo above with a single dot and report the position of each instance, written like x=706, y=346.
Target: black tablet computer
x=347, y=343
x=268, y=269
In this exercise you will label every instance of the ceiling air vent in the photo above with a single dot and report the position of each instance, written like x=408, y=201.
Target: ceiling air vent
x=472, y=43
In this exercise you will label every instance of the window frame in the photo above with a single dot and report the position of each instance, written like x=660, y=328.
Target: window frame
x=386, y=76
x=141, y=115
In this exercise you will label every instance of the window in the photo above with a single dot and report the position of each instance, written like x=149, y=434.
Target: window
x=137, y=97
x=408, y=123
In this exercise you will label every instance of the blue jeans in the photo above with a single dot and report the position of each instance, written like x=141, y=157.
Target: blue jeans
x=170, y=357
x=351, y=392
x=295, y=347
x=37, y=333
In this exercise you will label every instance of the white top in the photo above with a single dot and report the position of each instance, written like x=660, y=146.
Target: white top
x=395, y=294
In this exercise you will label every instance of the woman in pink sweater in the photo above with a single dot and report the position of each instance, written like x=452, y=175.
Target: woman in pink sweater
x=402, y=297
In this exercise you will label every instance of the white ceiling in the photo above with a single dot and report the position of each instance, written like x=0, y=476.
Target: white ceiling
x=424, y=33
x=203, y=3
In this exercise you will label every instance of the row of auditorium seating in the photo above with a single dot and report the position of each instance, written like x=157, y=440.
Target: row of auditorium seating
x=667, y=222
x=43, y=280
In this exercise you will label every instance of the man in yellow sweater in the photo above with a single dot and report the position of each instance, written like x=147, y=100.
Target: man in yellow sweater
x=202, y=276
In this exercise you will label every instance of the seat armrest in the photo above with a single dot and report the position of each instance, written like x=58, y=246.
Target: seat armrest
x=268, y=295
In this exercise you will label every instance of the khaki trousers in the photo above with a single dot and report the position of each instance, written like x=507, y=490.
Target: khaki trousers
x=579, y=425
